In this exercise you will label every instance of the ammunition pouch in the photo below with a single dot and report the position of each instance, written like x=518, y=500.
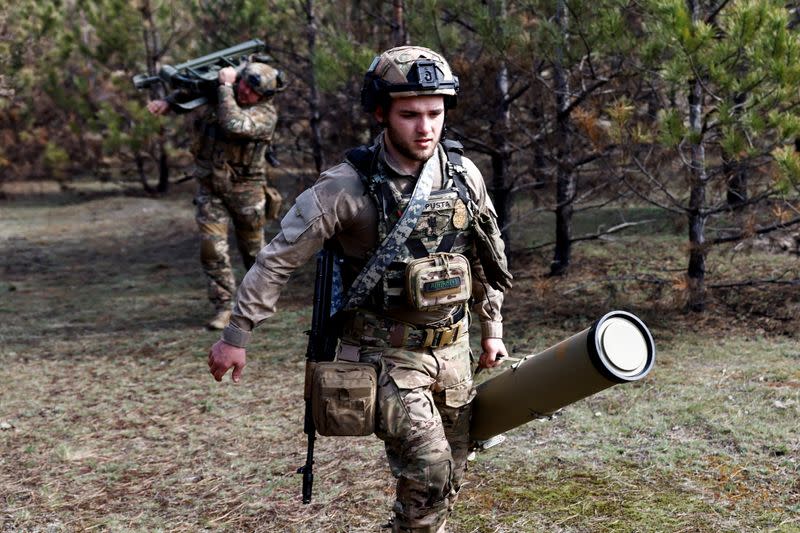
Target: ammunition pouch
x=441, y=279
x=493, y=260
x=241, y=154
x=343, y=397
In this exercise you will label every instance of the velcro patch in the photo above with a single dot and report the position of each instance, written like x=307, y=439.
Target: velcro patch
x=301, y=216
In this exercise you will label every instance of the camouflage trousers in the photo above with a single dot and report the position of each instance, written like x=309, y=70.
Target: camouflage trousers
x=220, y=202
x=424, y=408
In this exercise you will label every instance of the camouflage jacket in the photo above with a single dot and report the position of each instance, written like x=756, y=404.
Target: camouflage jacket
x=234, y=136
x=337, y=207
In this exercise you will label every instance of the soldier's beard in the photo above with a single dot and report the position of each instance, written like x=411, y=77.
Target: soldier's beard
x=407, y=149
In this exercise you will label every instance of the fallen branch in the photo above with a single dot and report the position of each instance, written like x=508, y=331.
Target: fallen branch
x=754, y=282
x=597, y=235
x=637, y=279
x=760, y=231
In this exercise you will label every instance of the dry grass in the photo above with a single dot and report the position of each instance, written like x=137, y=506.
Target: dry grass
x=110, y=421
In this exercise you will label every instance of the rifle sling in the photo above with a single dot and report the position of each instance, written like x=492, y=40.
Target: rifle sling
x=369, y=277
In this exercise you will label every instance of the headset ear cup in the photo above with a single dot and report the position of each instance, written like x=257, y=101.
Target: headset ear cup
x=366, y=100
x=370, y=93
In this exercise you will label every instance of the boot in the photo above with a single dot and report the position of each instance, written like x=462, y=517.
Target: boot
x=220, y=320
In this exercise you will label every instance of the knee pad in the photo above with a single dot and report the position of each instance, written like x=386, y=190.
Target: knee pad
x=439, y=481
x=209, y=250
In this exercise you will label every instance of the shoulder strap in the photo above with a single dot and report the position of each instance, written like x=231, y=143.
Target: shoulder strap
x=456, y=170
x=363, y=159
x=369, y=277
x=454, y=150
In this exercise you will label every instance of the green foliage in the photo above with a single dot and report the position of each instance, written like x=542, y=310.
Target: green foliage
x=672, y=128
x=55, y=156
x=733, y=142
x=228, y=22
x=339, y=60
x=117, y=29
x=789, y=164
x=748, y=63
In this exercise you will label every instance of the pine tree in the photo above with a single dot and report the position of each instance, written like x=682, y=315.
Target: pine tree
x=730, y=72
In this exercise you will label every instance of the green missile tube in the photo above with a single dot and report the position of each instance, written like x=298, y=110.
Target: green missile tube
x=618, y=348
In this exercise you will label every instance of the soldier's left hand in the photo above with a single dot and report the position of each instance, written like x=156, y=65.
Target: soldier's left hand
x=227, y=75
x=493, y=350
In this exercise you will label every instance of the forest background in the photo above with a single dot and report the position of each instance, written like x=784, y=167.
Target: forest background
x=689, y=107
x=641, y=155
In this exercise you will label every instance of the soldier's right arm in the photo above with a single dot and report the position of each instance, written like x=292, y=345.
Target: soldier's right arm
x=334, y=203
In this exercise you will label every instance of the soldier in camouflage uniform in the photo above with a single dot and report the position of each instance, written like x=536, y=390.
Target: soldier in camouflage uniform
x=229, y=147
x=421, y=351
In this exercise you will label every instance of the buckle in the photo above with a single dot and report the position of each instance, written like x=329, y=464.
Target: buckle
x=430, y=338
x=442, y=336
x=446, y=337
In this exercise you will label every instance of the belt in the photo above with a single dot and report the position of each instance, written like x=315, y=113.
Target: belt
x=370, y=329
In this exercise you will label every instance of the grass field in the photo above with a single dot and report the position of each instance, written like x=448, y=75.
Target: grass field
x=109, y=419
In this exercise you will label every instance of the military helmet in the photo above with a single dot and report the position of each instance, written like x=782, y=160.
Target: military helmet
x=263, y=79
x=408, y=71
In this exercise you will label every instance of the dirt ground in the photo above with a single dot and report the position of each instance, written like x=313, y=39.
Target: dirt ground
x=110, y=421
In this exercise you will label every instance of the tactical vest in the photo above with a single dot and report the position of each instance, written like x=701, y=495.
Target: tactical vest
x=245, y=156
x=444, y=226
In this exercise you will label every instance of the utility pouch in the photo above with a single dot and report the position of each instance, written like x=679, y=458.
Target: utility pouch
x=441, y=279
x=274, y=201
x=343, y=398
x=493, y=259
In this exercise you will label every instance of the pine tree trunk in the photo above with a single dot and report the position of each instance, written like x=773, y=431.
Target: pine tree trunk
x=314, y=98
x=500, y=130
x=152, y=46
x=399, y=31
x=163, y=167
x=696, y=271
x=142, y=174
x=736, y=195
x=566, y=181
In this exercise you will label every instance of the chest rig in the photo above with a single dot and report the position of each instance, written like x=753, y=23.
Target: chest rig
x=245, y=156
x=444, y=226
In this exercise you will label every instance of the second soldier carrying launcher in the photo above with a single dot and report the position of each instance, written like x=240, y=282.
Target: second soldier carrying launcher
x=229, y=147
x=416, y=231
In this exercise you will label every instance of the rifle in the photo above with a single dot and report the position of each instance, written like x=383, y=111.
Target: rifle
x=322, y=341
x=197, y=79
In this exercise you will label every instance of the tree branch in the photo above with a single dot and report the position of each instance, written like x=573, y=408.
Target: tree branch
x=596, y=235
x=754, y=282
x=766, y=229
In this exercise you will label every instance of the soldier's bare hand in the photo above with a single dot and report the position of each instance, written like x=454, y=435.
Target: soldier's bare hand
x=158, y=107
x=222, y=357
x=227, y=75
x=493, y=351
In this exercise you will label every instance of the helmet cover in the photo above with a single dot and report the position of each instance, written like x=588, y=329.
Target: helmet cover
x=408, y=71
x=263, y=79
